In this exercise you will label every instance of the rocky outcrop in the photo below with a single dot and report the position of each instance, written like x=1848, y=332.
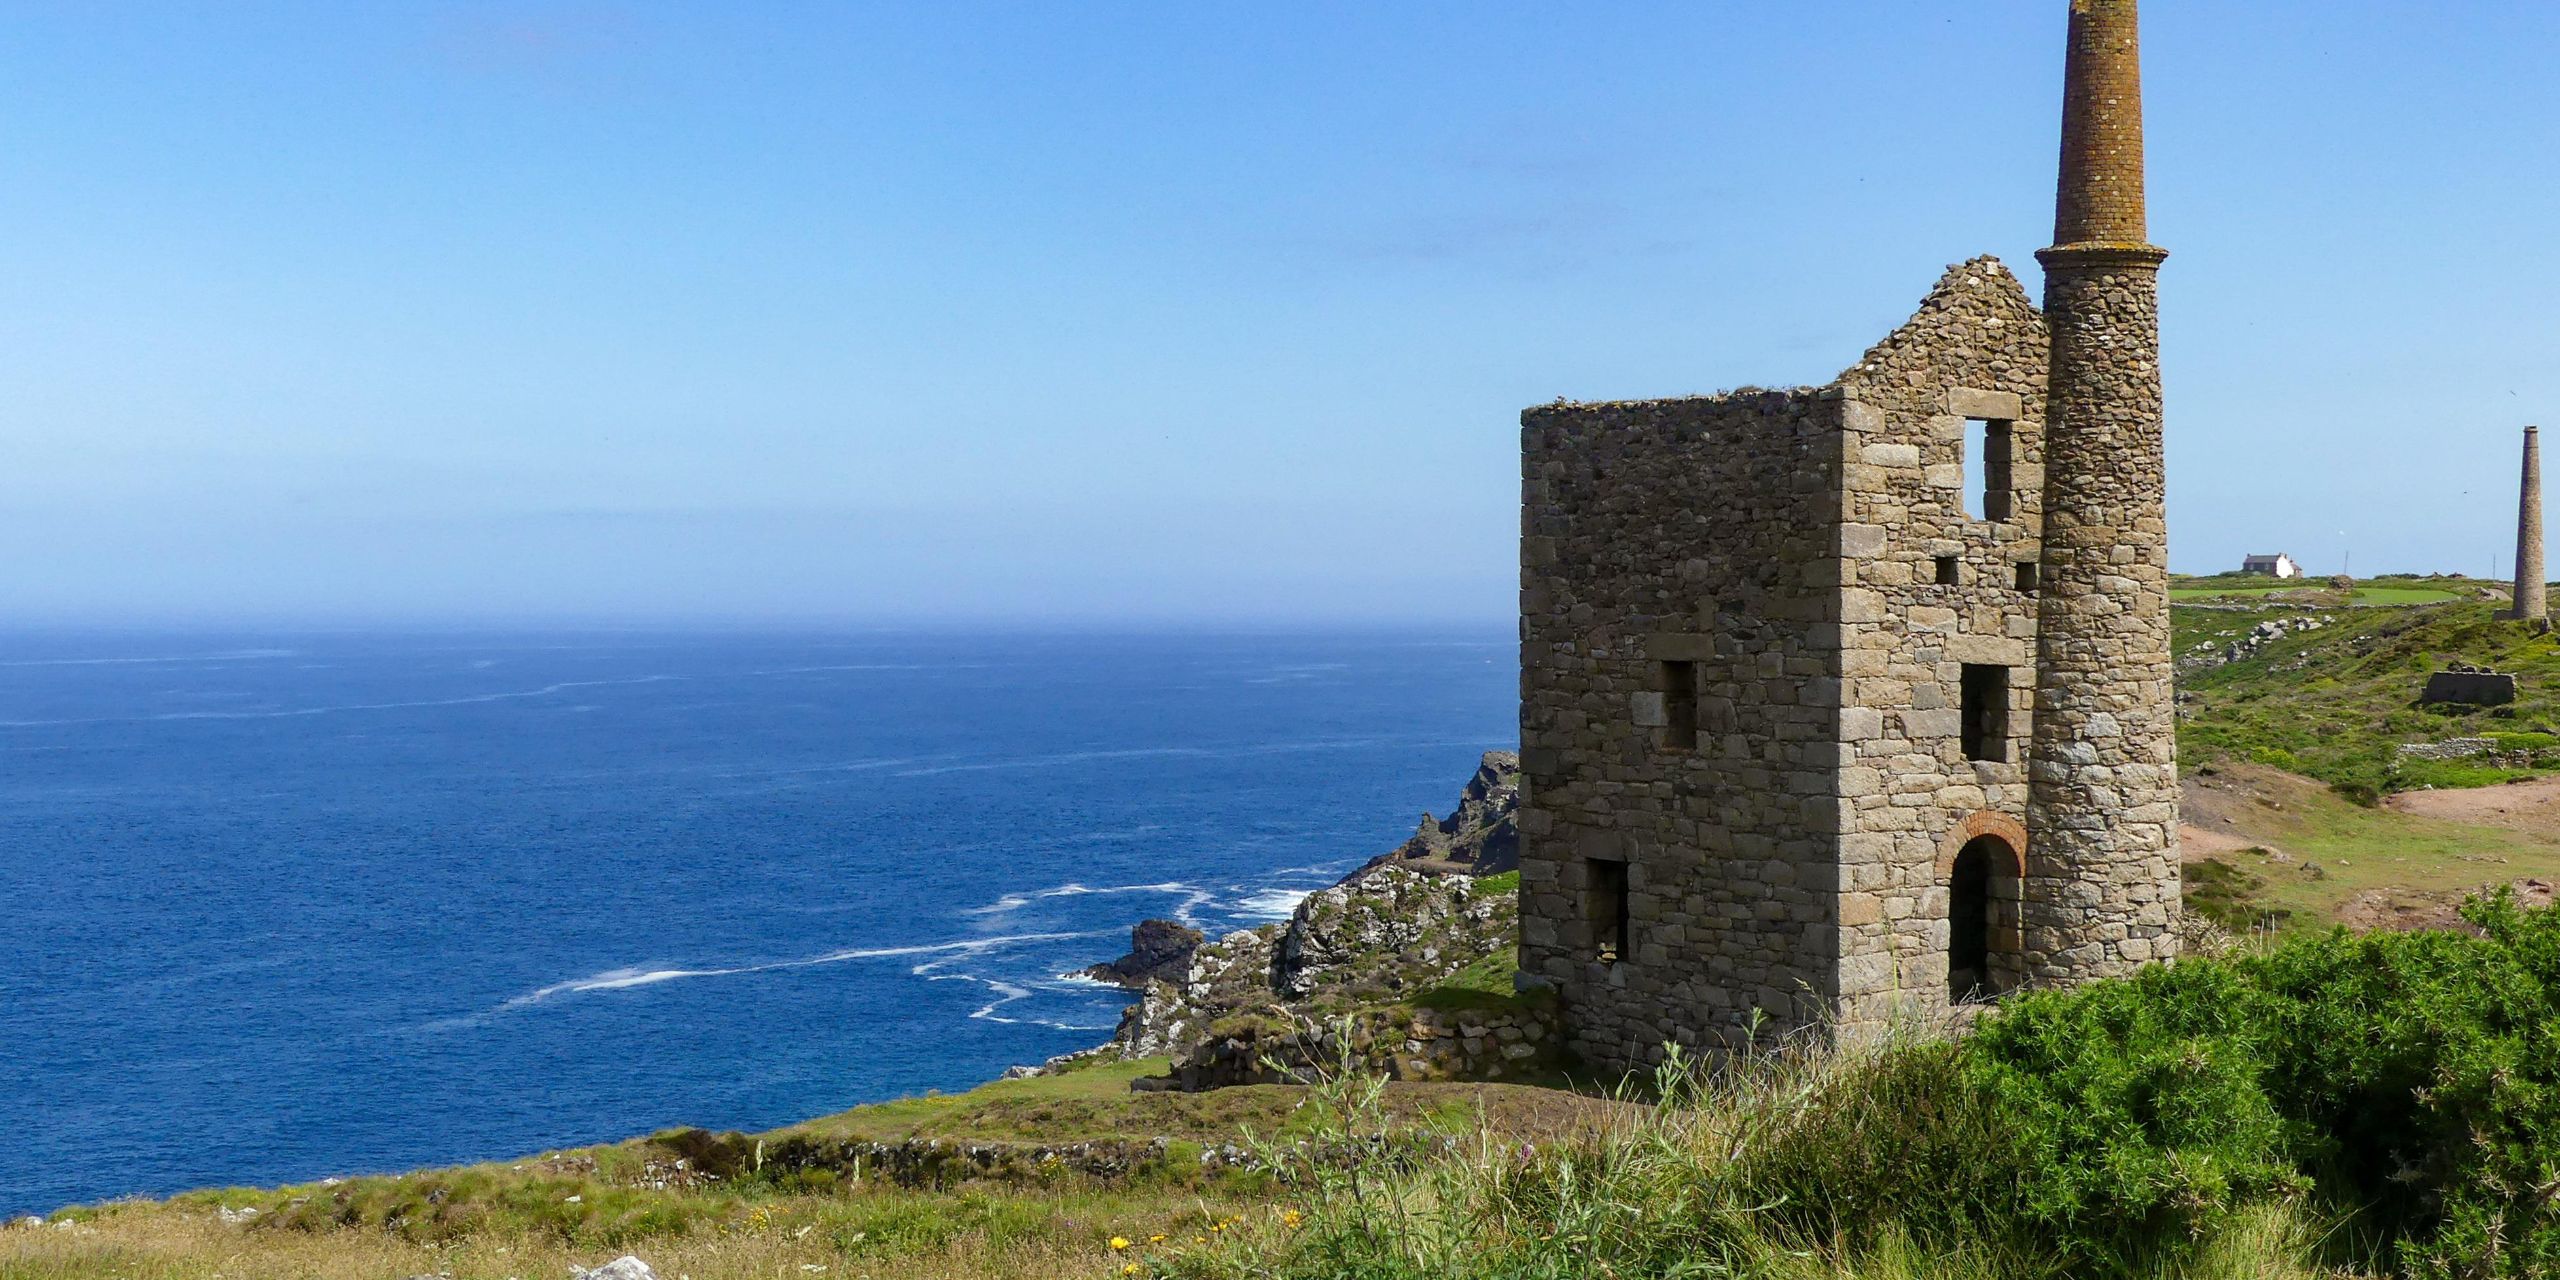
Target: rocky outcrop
x=1376, y=940
x=1387, y=936
x=1159, y=951
x=1480, y=837
x=1226, y=977
x=2207, y=655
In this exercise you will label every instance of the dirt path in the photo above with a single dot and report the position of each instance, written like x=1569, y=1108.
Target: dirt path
x=2532, y=806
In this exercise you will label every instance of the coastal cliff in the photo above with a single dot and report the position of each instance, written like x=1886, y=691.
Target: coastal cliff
x=1372, y=958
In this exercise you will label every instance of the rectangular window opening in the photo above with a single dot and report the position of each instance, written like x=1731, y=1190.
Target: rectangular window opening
x=1607, y=904
x=1992, y=441
x=1986, y=712
x=1949, y=571
x=1680, y=705
x=2027, y=576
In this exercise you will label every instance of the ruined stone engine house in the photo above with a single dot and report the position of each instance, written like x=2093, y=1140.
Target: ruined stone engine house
x=1843, y=697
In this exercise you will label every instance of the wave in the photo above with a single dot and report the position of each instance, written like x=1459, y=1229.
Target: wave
x=1272, y=904
x=1007, y=993
x=632, y=976
x=1017, y=901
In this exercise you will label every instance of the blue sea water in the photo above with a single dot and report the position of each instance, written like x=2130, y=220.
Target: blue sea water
x=279, y=907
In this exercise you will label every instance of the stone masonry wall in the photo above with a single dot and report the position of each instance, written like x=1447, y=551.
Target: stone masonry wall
x=1701, y=531
x=1975, y=350
x=1796, y=861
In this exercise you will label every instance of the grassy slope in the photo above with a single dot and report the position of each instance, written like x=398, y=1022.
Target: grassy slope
x=2307, y=856
x=539, y=1216
x=2333, y=706
x=2335, y=703
x=2377, y=591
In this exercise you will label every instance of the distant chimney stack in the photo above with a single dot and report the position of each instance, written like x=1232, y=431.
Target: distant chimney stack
x=2531, y=605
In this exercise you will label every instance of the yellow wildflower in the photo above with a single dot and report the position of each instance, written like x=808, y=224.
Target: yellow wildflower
x=1292, y=1217
x=1130, y=1270
x=1119, y=1242
x=1157, y=1238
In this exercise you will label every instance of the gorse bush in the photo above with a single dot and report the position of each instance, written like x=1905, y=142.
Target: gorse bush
x=2388, y=1102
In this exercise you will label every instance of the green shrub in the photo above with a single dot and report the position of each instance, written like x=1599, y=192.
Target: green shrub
x=2391, y=1101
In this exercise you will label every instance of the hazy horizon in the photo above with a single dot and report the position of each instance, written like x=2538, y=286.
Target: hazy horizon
x=950, y=315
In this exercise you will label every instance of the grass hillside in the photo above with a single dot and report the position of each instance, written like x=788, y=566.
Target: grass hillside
x=2332, y=1105
x=1030, y=1178
x=2268, y=849
x=2337, y=702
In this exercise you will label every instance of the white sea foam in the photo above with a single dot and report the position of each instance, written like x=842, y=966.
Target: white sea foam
x=1017, y=901
x=1007, y=993
x=1271, y=904
x=634, y=976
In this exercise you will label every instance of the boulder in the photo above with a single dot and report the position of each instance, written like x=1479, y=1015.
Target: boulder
x=1159, y=951
x=625, y=1267
x=2469, y=685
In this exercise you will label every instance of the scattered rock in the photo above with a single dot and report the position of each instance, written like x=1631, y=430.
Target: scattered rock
x=625, y=1267
x=2207, y=655
x=1159, y=951
x=28, y=1221
x=239, y=1215
x=1378, y=938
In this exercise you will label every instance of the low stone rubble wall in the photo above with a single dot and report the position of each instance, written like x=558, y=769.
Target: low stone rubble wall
x=1402, y=1043
x=2470, y=685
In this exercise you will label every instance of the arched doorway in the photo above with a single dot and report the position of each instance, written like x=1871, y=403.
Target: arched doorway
x=1982, y=867
x=1969, y=972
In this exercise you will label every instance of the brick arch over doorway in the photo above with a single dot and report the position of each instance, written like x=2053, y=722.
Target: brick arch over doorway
x=1982, y=871
x=1987, y=822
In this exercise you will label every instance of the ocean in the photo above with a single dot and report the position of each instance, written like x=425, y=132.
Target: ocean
x=279, y=907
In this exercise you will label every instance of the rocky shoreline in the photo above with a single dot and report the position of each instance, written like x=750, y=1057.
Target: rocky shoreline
x=1272, y=1002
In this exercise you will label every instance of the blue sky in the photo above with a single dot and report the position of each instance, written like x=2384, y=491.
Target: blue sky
x=1119, y=312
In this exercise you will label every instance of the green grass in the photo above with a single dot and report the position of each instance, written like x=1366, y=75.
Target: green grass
x=2386, y=592
x=2335, y=703
x=1488, y=984
x=2315, y=852
x=2231, y=896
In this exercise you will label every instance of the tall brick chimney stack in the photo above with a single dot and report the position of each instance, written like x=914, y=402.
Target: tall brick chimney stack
x=2530, y=602
x=2101, y=895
